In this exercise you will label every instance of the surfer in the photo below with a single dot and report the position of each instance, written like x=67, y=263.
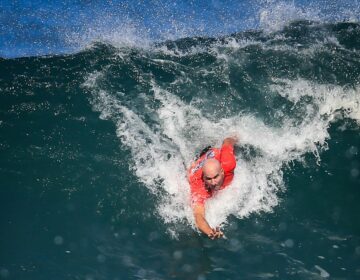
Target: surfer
x=212, y=171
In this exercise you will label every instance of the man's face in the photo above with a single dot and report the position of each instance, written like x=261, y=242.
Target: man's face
x=214, y=178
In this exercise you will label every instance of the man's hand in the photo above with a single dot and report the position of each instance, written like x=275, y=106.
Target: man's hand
x=216, y=233
x=201, y=223
x=231, y=140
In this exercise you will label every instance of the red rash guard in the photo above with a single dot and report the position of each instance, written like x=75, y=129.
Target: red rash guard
x=199, y=192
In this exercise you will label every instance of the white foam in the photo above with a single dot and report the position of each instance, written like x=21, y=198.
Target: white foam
x=159, y=153
x=323, y=272
x=328, y=100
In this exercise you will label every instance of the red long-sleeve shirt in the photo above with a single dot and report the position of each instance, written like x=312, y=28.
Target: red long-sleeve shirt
x=225, y=155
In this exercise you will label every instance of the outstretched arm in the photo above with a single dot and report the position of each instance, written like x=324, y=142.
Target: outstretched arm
x=202, y=224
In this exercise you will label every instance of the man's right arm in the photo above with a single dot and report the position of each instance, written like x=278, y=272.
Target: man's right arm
x=202, y=224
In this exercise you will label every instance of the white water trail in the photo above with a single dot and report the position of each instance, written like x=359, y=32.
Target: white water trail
x=159, y=155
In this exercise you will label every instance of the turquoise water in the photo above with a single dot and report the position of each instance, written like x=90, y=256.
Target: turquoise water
x=93, y=146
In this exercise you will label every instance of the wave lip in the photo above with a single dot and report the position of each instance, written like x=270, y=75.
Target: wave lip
x=48, y=29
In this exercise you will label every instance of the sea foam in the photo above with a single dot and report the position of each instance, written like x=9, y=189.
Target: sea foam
x=161, y=153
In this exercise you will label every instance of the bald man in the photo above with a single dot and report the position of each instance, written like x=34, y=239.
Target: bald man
x=213, y=171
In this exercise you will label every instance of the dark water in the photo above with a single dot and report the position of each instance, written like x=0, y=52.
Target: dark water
x=92, y=148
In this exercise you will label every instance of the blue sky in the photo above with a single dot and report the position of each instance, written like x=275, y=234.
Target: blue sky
x=51, y=27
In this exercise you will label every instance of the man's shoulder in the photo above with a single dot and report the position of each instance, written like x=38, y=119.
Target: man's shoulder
x=198, y=191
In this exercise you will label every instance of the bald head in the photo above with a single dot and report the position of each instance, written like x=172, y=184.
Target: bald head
x=213, y=174
x=211, y=166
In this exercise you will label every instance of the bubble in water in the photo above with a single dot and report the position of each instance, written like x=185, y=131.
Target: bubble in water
x=4, y=273
x=187, y=268
x=153, y=236
x=235, y=245
x=101, y=258
x=282, y=226
x=336, y=215
x=177, y=255
x=351, y=152
x=127, y=260
x=357, y=250
x=289, y=243
x=58, y=240
x=354, y=172
x=70, y=207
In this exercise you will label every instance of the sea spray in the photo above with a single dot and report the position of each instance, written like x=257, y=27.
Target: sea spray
x=192, y=93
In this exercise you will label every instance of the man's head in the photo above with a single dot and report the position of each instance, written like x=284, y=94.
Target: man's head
x=213, y=174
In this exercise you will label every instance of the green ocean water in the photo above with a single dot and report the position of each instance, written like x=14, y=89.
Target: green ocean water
x=93, y=147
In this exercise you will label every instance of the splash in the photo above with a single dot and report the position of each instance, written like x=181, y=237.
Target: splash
x=277, y=14
x=65, y=27
x=178, y=104
x=161, y=152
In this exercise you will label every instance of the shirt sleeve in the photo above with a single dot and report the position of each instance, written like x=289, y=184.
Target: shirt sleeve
x=198, y=192
x=227, y=158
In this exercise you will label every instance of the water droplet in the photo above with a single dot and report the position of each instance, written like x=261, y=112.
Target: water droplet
x=235, y=245
x=352, y=151
x=187, y=268
x=289, y=243
x=58, y=240
x=153, y=236
x=177, y=255
x=127, y=261
x=282, y=226
x=354, y=172
x=101, y=258
x=357, y=250
x=4, y=273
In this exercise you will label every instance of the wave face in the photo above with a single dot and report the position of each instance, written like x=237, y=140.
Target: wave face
x=291, y=95
x=180, y=96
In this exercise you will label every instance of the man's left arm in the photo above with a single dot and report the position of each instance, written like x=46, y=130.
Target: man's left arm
x=228, y=160
x=232, y=141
